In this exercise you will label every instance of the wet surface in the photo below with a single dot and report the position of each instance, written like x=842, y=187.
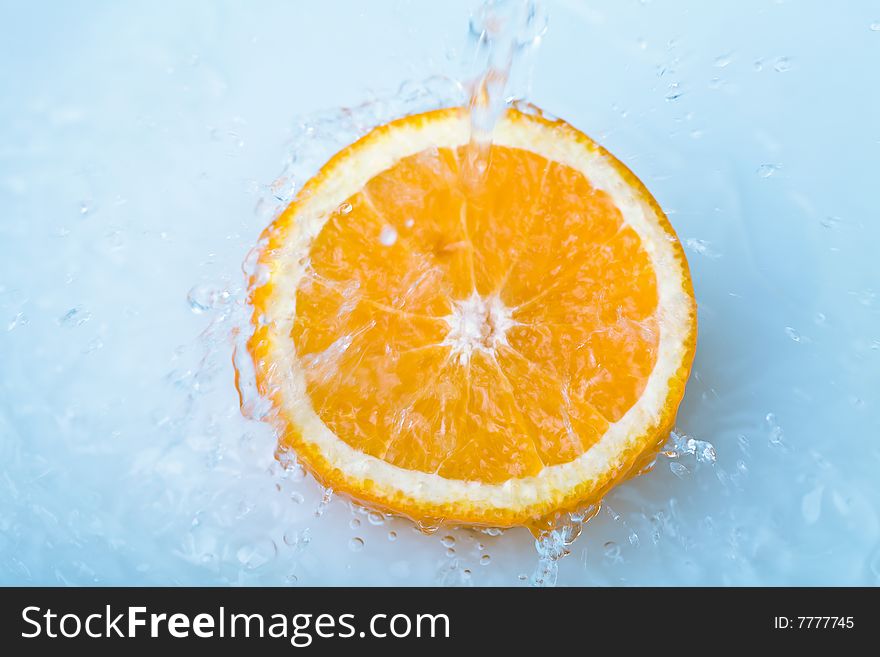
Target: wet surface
x=132, y=187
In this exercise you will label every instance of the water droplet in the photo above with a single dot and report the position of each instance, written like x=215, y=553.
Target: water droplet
x=282, y=189
x=776, y=432
x=793, y=334
x=875, y=26
x=291, y=579
x=485, y=560
x=94, y=345
x=297, y=497
x=392, y=536
x=428, y=526
x=767, y=170
x=345, y=208
x=355, y=523
x=450, y=552
x=723, y=61
x=205, y=296
x=492, y=531
x=256, y=555
x=85, y=207
x=759, y=64
x=356, y=544
x=703, y=450
x=20, y=319
x=679, y=469
x=811, y=505
x=782, y=64
x=702, y=247
x=831, y=222
x=409, y=223
x=448, y=541
x=388, y=236
x=297, y=539
x=376, y=518
x=74, y=317
x=326, y=498
x=612, y=552
x=674, y=92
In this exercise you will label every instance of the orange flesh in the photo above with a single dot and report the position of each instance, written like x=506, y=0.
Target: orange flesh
x=390, y=265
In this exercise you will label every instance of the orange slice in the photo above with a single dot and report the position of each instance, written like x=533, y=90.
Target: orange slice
x=482, y=351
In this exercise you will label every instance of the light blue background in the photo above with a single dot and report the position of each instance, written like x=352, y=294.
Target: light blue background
x=136, y=140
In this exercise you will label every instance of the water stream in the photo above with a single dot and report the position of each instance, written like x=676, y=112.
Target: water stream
x=133, y=186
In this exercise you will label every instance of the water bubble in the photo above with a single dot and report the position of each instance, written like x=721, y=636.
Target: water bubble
x=345, y=208
x=388, y=236
x=679, y=469
x=356, y=544
x=793, y=334
x=767, y=170
x=256, y=555
x=205, y=296
x=447, y=541
x=782, y=64
x=392, y=535
x=485, y=560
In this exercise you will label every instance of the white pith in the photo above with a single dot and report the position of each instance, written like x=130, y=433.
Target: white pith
x=288, y=266
x=477, y=324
